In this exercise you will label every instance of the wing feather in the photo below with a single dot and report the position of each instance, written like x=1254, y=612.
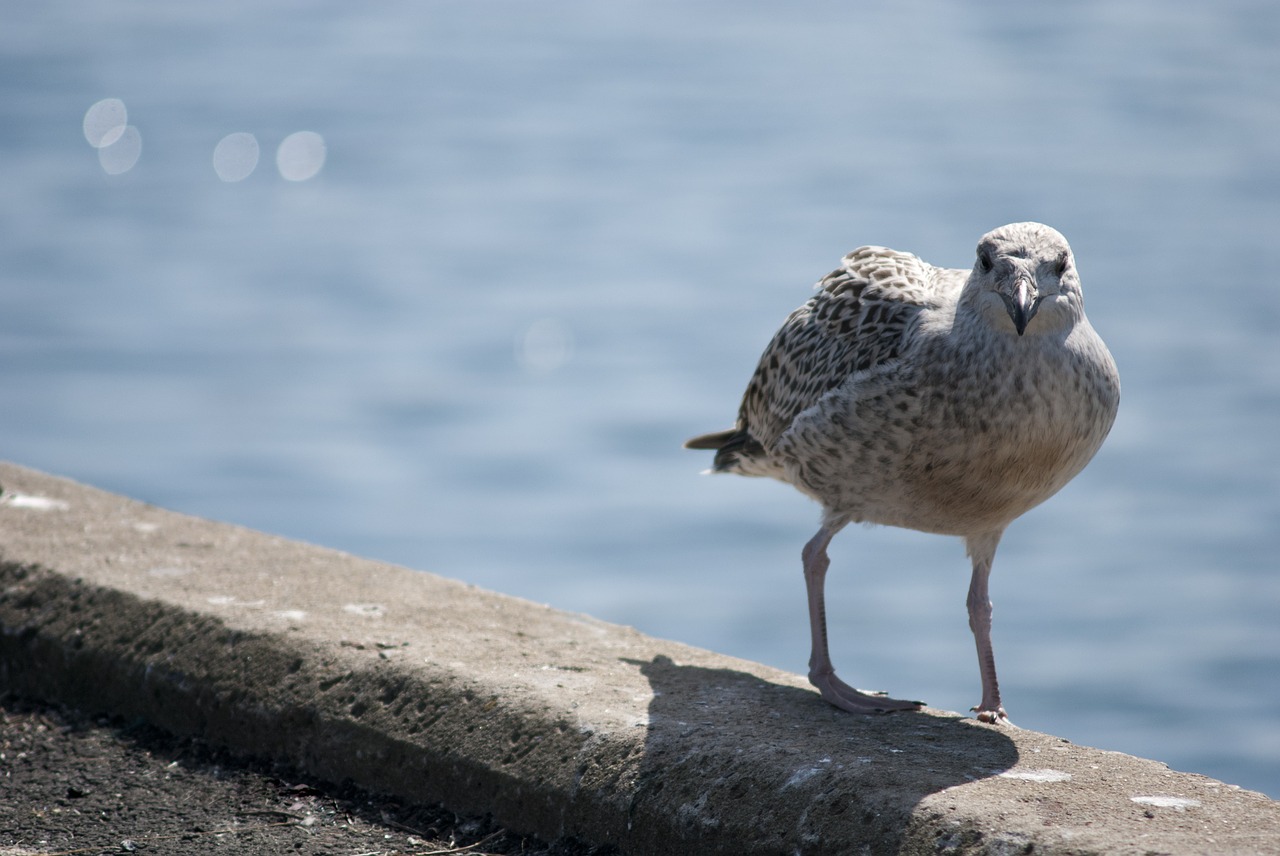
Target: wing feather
x=861, y=317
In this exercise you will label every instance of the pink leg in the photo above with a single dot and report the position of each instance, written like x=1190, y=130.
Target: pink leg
x=982, y=551
x=822, y=673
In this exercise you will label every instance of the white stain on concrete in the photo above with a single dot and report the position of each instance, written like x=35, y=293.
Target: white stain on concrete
x=290, y=614
x=33, y=502
x=232, y=600
x=1177, y=803
x=1037, y=775
x=804, y=774
x=368, y=610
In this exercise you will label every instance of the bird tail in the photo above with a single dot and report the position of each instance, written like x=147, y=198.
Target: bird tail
x=716, y=440
x=732, y=447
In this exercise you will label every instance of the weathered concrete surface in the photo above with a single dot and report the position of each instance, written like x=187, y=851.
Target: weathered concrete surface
x=557, y=724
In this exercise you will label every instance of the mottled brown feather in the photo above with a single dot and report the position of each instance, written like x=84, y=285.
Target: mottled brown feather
x=861, y=317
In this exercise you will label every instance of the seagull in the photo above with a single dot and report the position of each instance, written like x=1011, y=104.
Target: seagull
x=935, y=399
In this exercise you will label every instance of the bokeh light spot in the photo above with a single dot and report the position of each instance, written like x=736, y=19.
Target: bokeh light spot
x=105, y=121
x=300, y=155
x=121, y=155
x=544, y=346
x=236, y=156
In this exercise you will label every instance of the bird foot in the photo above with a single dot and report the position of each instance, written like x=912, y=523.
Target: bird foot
x=995, y=716
x=853, y=700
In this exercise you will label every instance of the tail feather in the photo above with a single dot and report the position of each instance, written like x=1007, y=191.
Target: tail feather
x=732, y=447
x=716, y=440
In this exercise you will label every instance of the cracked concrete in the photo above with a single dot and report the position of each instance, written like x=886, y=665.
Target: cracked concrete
x=557, y=724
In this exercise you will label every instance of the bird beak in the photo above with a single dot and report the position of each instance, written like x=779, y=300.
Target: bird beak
x=1022, y=304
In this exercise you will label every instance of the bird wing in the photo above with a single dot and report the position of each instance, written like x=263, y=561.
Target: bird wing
x=862, y=316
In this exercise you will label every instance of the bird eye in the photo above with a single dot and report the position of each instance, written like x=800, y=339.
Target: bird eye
x=1063, y=262
x=984, y=260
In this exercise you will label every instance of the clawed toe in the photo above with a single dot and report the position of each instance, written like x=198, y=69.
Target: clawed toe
x=995, y=716
x=845, y=697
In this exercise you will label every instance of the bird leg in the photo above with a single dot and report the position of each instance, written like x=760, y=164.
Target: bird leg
x=982, y=551
x=822, y=673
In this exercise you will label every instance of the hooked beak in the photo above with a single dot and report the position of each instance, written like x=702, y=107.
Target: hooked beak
x=1022, y=303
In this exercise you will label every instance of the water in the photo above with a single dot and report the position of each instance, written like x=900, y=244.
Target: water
x=543, y=243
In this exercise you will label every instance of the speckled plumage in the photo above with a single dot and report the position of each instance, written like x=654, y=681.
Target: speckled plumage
x=943, y=400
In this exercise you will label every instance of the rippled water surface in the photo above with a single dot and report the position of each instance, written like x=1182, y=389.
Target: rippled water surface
x=447, y=284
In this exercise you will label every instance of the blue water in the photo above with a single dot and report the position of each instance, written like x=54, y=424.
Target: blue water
x=547, y=243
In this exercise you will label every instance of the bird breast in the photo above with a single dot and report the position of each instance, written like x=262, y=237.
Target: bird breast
x=957, y=442
x=1008, y=435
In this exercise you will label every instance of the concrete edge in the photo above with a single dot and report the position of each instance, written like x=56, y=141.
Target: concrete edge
x=556, y=724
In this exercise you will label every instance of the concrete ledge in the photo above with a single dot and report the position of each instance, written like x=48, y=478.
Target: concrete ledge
x=557, y=724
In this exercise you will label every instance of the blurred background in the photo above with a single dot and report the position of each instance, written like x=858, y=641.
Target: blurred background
x=447, y=283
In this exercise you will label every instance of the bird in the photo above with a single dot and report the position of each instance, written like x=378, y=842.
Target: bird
x=941, y=400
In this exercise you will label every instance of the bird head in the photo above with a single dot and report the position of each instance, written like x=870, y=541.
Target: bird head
x=1025, y=279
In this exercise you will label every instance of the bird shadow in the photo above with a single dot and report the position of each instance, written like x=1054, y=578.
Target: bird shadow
x=729, y=750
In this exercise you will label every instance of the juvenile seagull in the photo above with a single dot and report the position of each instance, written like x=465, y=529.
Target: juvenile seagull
x=942, y=400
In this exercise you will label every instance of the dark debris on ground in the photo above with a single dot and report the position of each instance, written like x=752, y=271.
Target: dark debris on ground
x=77, y=784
